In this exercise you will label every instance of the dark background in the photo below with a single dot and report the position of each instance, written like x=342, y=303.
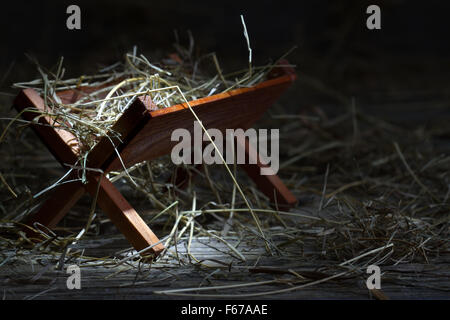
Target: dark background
x=337, y=57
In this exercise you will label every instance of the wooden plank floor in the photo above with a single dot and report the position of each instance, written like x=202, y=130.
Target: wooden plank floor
x=22, y=279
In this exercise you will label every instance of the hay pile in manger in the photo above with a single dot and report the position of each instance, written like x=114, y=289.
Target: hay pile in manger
x=367, y=196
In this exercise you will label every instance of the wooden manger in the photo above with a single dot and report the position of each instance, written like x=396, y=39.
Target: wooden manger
x=144, y=135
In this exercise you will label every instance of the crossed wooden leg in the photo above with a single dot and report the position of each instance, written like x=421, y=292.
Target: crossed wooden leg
x=270, y=185
x=110, y=200
x=64, y=147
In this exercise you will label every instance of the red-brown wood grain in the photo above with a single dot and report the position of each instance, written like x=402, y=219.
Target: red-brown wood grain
x=126, y=127
x=61, y=143
x=62, y=199
x=239, y=108
x=64, y=146
x=124, y=217
x=144, y=134
x=270, y=185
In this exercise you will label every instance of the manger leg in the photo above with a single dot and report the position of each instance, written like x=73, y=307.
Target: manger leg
x=56, y=207
x=270, y=185
x=122, y=214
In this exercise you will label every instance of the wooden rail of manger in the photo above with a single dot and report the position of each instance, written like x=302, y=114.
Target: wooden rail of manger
x=145, y=135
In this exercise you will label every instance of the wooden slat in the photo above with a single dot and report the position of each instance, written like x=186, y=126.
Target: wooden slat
x=61, y=143
x=270, y=185
x=234, y=109
x=61, y=200
x=64, y=145
x=127, y=126
x=122, y=214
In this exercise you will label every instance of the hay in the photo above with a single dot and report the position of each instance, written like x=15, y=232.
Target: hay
x=92, y=116
x=378, y=214
x=371, y=192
